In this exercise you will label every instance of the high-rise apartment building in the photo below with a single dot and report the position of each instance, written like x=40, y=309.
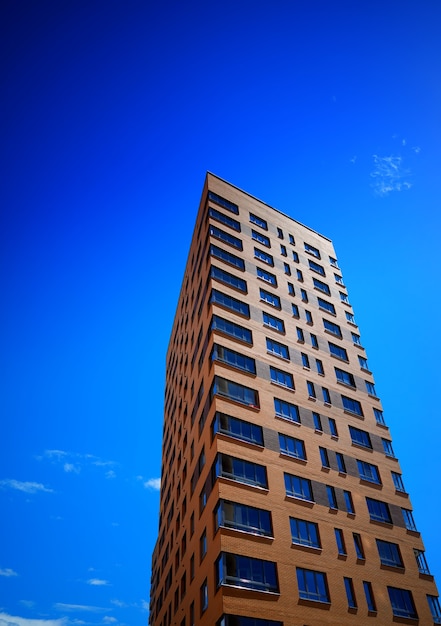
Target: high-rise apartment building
x=282, y=500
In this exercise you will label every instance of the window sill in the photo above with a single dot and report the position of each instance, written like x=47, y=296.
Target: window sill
x=283, y=386
x=327, y=404
x=348, y=412
x=287, y=419
x=339, y=358
x=312, y=398
x=306, y=548
x=298, y=459
x=352, y=324
x=279, y=356
x=281, y=332
x=328, y=332
x=327, y=312
x=320, y=604
x=298, y=500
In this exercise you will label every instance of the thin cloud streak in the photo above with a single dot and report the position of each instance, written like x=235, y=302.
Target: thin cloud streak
x=7, y=572
x=98, y=582
x=389, y=175
x=25, y=486
x=13, y=620
x=61, y=606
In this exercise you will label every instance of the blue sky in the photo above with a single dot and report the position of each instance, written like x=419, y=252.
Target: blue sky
x=111, y=114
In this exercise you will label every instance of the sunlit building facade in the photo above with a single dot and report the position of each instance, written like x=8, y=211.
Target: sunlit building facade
x=282, y=499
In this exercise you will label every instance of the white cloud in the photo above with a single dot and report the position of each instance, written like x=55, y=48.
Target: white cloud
x=110, y=474
x=7, y=571
x=70, y=467
x=13, y=620
x=74, y=462
x=416, y=149
x=145, y=605
x=389, y=175
x=61, y=606
x=153, y=483
x=97, y=582
x=27, y=487
x=119, y=603
x=107, y=619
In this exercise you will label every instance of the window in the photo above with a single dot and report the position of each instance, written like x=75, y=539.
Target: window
x=244, y=518
x=300, y=335
x=298, y=487
x=332, y=498
x=303, y=295
x=263, y=256
x=242, y=471
x=273, y=322
x=286, y=410
x=311, y=389
x=261, y=238
x=318, y=284
x=398, y=482
x=236, y=620
x=192, y=620
x=324, y=457
x=292, y=447
x=258, y=221
x=408, y=519
x=281, y=378
x=283, y=250
x=308, y=316
x=350, y=593
x=356, y=339
x=319, y=366
x=226, y=204
x=279, y=233
x=227, y=238
x=326, y=395
x=369, y=595
x=315, y=267
x=266, y=276
x=270, y=298
x=326, y=306
x=435, y=608
x=387, y=446
x=276, y=348
x=237, y=428
x=304, y=533
x=291, y=239
x=352, y=406
x=299, y=275
x=338, y=279
x=312, y=585
x=305, y=360
x=363, y=362
x=378, y=511
x=338, y=352
x=402, y=603
x=231, y=329
x=343, y=297
x=350, y=317
x=291, y=289
x=227, y=257
x=379, y=417
x=370, y=388
x=344, y=377
x=295, y=310
x=333, y=427
x=340, y=541
x=349, y=503
x=233, y=358
x=330, y=327
x=389, y=553
x=245, y=572
x=224, y=219
x=317, y=422
x=203, y=545
x=368, y=472
x=234, y=391
x=360, y=437
x=312, y=250
x=228, y=279
x=204, y=596
x=295, y=256
x=287, y=269
x=314, y=341
x=228, y=302
x=358, y=546
x=340, y=462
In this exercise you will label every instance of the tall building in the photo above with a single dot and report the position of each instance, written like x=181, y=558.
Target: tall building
x=282, y=500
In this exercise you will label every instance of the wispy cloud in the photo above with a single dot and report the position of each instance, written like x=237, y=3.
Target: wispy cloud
x=119, y=603
x=75, y=462
x=107, y=619
x=61, y=606
x=97, y=582
x=7, y=572
x=389, y=174
x=14, y=620
x=152, y=483
x=25, y=486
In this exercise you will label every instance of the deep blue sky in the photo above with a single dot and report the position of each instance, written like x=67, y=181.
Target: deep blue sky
x=111, y=113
